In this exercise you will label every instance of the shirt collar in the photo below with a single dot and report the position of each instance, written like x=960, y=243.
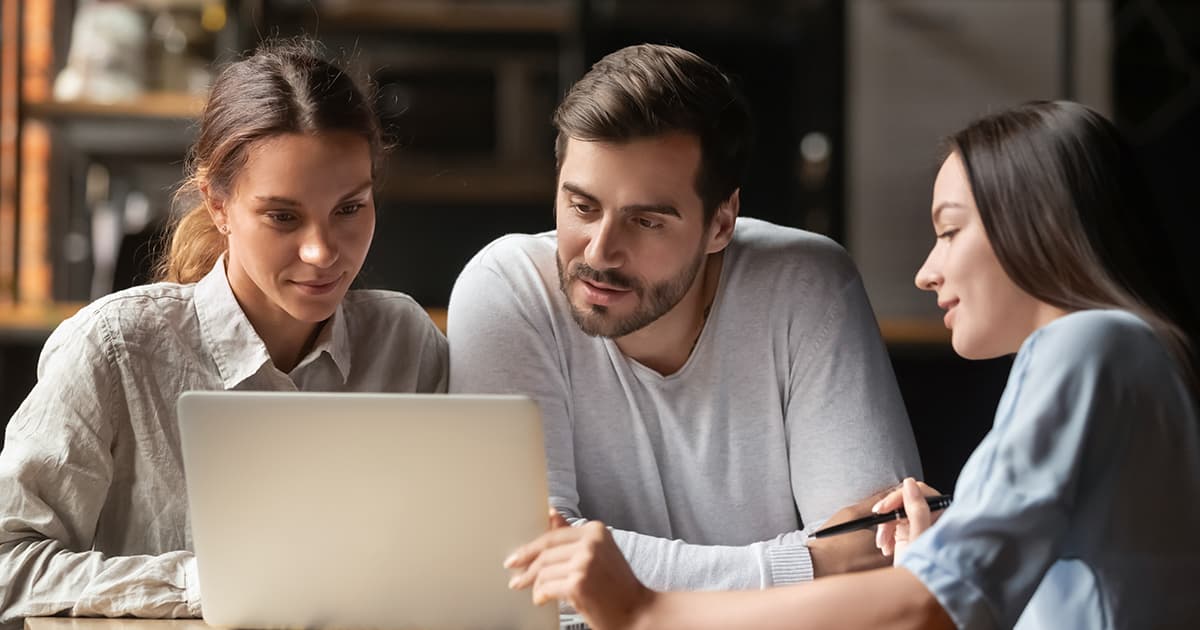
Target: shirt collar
x=232, y=341
x=334, y=340
x=235, y=346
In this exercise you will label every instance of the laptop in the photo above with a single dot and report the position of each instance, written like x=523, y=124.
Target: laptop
x=363, y=510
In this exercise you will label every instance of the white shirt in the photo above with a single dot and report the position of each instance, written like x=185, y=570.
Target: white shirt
x=93, y=505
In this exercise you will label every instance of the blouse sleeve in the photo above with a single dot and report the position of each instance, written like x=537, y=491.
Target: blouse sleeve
x=56, y=470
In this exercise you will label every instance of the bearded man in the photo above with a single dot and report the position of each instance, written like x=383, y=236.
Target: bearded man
x=712, y=388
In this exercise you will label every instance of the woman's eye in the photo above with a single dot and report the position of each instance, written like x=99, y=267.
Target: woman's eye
x=281, y=217
x=350, y=209
x=948, y=234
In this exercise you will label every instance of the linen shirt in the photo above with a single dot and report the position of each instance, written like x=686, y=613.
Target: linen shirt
x=1079, y=509
x=785, y=411
x=93, y=505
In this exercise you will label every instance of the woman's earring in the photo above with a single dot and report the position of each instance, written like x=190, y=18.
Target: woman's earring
x=224, y=229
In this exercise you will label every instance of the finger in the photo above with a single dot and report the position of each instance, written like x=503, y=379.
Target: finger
x=928, y=490
x=884, y=533
x=527, y=552
x=915, y=508
x=560, y=588
x=561, y=554
x=557, y=520
x=548, y=584
x=886, y=538
x=889, y=503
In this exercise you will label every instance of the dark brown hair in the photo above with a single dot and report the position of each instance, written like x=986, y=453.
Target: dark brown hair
x=648, y=90
x=284, y=87
x=1071, y=219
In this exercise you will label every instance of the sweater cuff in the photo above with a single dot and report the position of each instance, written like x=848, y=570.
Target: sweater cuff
x=789, y=564
x=191, y=581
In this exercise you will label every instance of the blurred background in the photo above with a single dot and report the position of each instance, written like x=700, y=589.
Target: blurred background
x=98, y=100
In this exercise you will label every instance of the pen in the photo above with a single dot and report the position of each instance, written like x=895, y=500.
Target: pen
x=940, y=502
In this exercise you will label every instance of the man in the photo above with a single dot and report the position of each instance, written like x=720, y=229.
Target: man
x=710, y=386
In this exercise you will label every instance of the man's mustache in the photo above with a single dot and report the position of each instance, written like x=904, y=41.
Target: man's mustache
x=612, y=278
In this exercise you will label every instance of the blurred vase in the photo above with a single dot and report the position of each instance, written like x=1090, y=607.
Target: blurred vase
x=106, y=58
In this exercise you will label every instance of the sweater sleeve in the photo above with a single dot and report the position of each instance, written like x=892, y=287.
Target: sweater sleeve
x=847, y=429
x=55, y=474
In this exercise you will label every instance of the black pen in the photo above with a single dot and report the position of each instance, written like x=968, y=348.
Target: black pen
x=940, y=502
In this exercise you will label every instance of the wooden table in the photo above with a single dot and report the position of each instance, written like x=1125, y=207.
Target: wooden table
x=125, y=623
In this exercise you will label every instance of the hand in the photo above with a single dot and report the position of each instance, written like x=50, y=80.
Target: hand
x=584, y=567
x=847, y=552
x=893, y=537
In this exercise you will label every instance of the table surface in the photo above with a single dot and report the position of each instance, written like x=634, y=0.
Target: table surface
x=80, y=623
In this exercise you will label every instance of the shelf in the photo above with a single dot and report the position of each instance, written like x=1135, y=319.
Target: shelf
x=492, y=16
x=152, y=105
x=914, y=331
x=33, y=323
x=467, y=181
x=40, y=320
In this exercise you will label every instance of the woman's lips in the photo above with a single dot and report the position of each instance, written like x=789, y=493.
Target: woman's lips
x=317, y=287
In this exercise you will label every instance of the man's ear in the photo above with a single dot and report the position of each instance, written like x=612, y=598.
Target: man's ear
x=720, y=231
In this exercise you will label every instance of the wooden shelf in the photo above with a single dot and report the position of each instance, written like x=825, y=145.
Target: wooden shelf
x=154, y=105
x=41, y=319
x=528, y=16
x=34, y=322
x=914, y=331
x=37, y=322
x=467, y=181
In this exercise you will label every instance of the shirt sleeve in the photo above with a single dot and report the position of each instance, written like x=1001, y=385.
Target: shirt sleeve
x=1057, y=424
x=847, y=429
x=55, y=475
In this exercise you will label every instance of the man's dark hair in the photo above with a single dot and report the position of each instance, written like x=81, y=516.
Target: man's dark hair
x=648, y=90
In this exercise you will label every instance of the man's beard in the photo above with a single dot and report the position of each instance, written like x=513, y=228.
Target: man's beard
x=652, y=303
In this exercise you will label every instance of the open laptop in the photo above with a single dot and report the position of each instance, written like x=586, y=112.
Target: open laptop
x=363, y=510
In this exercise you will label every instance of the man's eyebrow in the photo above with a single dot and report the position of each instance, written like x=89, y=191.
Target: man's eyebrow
x=665, y=209
x=653, y=208
x=578, y=190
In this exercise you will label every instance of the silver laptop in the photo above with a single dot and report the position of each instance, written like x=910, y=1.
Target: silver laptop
x=363, y=510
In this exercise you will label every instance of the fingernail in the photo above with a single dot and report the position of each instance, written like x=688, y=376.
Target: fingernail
x=512, y=557
x=875, y=508
x=512, y=582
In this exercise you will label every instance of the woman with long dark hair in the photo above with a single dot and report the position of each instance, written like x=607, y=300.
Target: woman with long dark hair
x=253, y=296
x=1078, y=508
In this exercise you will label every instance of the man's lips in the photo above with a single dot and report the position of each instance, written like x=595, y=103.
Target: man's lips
x=602, y=294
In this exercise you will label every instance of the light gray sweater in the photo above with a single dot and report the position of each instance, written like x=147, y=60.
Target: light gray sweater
x=786, y=410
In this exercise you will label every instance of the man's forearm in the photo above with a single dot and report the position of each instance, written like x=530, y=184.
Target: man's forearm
x=846, y=553
x=672, y=565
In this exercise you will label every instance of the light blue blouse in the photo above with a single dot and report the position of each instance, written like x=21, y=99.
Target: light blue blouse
x=1080, y=508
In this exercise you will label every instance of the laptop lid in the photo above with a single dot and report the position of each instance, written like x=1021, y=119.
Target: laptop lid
x=363, y=510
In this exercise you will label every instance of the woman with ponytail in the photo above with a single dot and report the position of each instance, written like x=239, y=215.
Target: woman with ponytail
x=253, y=295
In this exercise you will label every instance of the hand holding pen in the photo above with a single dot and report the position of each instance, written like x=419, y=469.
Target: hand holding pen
x=892, y=508
x=893, y=537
